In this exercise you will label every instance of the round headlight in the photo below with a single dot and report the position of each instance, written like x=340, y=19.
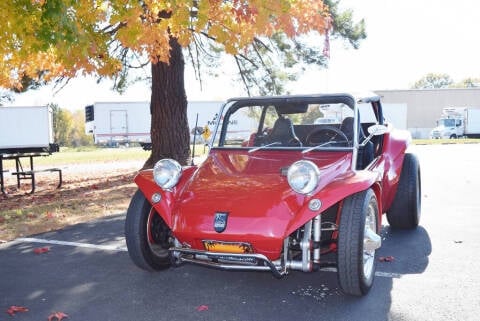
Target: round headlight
x=303, y=176
x=166, y=173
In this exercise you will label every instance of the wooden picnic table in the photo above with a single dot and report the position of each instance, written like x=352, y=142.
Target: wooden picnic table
x=27, y=173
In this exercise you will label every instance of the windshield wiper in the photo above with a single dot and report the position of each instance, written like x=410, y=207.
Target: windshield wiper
x=321, y=145
x=264, y=146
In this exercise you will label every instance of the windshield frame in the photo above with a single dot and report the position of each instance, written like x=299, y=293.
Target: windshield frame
x=234, y=104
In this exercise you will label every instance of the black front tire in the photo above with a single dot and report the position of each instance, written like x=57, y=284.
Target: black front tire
x=355, y=264
x=148, y=237
x=405, y=211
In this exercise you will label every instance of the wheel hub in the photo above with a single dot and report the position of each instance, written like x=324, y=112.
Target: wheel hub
x=371, y=241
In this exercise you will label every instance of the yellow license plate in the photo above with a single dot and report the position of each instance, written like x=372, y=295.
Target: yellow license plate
x=227, y=247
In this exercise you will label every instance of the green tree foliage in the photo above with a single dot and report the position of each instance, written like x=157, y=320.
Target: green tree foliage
x=78, y=137
x=5, y=97
x=433, y=80
x=62, y=125
x=68, y=128
x=468, y=83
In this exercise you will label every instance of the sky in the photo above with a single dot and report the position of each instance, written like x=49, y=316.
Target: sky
x=406, y=39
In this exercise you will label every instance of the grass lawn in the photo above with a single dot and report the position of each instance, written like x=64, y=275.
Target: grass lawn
x=86, y=194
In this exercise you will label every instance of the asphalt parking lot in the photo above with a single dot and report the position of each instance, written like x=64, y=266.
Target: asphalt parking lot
x=88, y=275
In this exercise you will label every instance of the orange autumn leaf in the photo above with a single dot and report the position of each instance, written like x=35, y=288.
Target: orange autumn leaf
x=57, y=316
x=41, y=250
x=14, y=309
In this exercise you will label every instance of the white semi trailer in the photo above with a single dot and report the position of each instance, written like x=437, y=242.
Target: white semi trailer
x=456, y=122
x=113, y=123
x=26, y=129
x=26, y=132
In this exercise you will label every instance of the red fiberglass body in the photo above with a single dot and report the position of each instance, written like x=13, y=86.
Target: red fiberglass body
x=287, y=180
x=253, y=189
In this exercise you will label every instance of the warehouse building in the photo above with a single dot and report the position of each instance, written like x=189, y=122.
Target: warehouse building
x=424, y=106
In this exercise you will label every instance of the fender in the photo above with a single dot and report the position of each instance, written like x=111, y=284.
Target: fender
x=345, y=185
x=395, y=145
x=147, y=185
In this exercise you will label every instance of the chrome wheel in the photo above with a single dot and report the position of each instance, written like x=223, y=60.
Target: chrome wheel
x=357, y=242
x=371, y=240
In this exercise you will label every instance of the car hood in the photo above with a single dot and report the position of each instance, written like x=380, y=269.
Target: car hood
x=252, y=188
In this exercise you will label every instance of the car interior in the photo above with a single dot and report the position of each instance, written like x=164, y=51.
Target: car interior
x=286, y=126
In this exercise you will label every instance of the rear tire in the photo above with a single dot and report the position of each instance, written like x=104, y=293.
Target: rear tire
x=355, y=262
x=148, y=237
x=406, y=207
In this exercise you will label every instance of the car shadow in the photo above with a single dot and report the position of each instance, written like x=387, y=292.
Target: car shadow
x=106, y=285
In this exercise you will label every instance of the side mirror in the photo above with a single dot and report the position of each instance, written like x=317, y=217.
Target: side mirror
x=377, y=130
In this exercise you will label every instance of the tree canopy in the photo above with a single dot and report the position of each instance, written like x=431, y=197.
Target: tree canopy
x=55, y=40
x=438, y=80
x=433, y=80
x=45, y=40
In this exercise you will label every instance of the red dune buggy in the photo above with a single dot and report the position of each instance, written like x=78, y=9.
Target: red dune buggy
x=288, y=181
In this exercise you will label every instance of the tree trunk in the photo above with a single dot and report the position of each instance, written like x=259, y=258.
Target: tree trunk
x=168, y=107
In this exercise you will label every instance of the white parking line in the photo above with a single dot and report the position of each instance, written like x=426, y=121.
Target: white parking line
x=124, y=249
x=388, y=275
x=378, y=273
x=75, y=244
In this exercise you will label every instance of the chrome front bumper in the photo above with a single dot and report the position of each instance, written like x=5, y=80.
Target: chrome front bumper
x=229, y=261
x=309, y=261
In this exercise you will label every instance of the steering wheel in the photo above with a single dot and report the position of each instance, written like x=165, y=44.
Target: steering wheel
x=295, y=142
x=325, y=135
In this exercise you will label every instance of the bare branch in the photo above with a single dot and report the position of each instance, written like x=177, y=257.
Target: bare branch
x=242, y=75
x=113, y=29
x=198, y=63
x=247, y=59
x=258, y=41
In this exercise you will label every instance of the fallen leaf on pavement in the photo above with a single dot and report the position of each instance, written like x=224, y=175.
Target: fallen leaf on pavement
x=386, y=258
x=57, y=316
x=202, y=308
x=14, y=309
x=41, y=250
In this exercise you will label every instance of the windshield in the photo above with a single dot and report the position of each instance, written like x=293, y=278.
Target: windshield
x=447, y=122
x=286, y=125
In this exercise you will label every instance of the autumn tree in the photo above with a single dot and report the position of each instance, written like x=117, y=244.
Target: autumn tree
x=69, y=128
x=78, y=137
x=62, y=125
x=55, y=40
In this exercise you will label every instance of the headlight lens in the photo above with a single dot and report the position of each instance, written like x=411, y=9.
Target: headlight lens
x=166, y=173
x=303, y=176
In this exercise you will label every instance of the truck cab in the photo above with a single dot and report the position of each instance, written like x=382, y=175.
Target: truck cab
x=448, y=128
x=451, y=124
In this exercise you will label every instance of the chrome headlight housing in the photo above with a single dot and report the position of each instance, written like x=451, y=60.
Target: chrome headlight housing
x=303, y=176
x=166, y=173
